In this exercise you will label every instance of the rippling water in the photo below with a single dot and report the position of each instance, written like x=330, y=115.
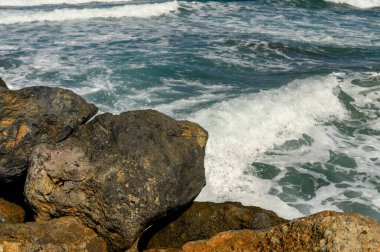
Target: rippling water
x=288, y=90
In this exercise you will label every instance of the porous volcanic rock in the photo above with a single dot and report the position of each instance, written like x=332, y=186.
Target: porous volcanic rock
x=204, y=220
x=35, y=115
x=58, y=235
x=118, y=174
x=10, y=212
x=325, y=231
x=2, y=84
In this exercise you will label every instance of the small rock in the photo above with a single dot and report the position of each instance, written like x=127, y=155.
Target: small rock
x=204, y=220
x=35, y=115
x=119, y=174
x=2, y=84
x=58, y=235
x=324, y=231
x=10, y=212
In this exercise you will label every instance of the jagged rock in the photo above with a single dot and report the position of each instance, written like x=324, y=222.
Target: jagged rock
x=10, y=212
x=2, y=84
x=204, y=220
x=325, y=231
x=58, y=235
x=119, y=173
x=35, y=115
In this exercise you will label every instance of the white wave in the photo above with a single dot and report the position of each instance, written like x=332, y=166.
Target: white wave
x=139, y=11
x=364, y=4
x=7, y=48
x=52, y=2
x=244, y=128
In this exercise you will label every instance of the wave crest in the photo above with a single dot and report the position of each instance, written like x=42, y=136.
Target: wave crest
x=363, y=4
x=139, y=11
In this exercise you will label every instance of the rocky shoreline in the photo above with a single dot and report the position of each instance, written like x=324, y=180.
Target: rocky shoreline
x=87, y=182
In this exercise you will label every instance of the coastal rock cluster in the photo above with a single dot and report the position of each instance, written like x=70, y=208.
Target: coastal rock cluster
x=127, y=182
x=116, y=173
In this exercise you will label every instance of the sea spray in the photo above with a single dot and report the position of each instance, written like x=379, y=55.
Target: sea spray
x=246, y=127
x=288, y=146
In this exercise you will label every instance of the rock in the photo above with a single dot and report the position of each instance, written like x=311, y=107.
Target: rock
x=119, y=173
x=35, y=115
x=325, y=231
x=2, y=84
x=163, y=250
x=204, y=220
x=10, y=212
x=58, y=235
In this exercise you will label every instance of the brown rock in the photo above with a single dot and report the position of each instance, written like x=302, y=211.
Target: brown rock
x=35, y=115
x=161, y=250
x=119, y=173
x=59, y=235
x=10, y=212
x=204, y=220
x=325, y=231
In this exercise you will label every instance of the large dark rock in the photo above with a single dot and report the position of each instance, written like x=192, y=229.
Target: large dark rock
x=58, y=235
x=2, y=84
x=204, y=220
x=35, y=115
x=119, y=173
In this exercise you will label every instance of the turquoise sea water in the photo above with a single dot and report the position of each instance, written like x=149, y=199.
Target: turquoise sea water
x=289, y=90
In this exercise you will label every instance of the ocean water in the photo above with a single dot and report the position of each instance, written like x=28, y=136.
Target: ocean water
x=289, y=90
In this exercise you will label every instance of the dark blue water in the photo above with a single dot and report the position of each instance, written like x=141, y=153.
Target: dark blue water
x=288, y=90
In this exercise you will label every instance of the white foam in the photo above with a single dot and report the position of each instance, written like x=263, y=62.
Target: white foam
x=139, y=11
x=243, y=128
x=364, y=4
x=52, y=2
x=7, y=48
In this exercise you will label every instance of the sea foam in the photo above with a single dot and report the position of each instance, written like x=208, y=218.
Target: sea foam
x=358, y=3
x=139, y=11
x=244, y=128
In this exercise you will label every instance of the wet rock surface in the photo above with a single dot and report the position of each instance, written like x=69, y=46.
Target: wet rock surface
x=35, y=115
x=119, y=174
x=59, y=235
x=324, y=231
x=10, y=212
x=204, y=220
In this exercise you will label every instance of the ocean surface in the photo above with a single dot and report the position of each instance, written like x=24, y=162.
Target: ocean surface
x=289, y=90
